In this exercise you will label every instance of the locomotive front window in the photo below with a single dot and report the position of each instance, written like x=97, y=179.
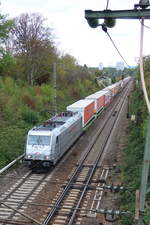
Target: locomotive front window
x=38, y=140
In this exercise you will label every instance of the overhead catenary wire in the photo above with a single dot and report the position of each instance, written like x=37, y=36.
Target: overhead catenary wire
x=148, y=27
x=142, y=67
x=104, y=28
x=107, y=4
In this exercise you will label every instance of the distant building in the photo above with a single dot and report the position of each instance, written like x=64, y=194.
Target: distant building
x=120, y=65
x=101, y=66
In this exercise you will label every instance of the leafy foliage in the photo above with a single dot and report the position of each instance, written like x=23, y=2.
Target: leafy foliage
x=33, y=46
x=30, y=117
x=5, y=27
x=22, y=107
x=133, y=154
x=6, y=59
x=132, y=159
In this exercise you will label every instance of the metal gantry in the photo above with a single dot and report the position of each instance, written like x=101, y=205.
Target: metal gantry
x=109, y=16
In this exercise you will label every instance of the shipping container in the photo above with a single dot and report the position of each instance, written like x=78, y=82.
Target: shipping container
x=108, y=96
x=99, y=100
x=126, y=80
x=86, y=107
x=112, y=90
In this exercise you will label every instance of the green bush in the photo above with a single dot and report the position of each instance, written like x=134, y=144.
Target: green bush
x=133, y=155
x=30, y=117
x=22, y=107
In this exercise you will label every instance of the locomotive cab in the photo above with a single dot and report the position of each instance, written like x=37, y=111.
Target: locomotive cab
x=39, y=149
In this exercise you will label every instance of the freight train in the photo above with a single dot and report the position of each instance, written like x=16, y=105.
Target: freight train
x=48, y=142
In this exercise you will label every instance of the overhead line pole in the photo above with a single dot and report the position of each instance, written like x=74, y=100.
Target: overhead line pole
x=138, y=12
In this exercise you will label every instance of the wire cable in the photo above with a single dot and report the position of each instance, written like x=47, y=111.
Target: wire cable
x=104, y=28
x=107, y=4
x=141, y=66
x=144, y=25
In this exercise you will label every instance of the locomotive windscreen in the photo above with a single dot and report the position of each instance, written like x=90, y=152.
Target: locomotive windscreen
x=38, y=140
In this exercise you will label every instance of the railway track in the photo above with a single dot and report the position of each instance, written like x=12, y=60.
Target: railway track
x=14, y=201
x=70, y=204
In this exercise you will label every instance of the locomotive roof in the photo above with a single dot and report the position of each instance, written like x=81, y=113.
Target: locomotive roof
x=55, y=122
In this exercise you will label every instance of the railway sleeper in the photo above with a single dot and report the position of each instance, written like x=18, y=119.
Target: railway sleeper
x=87, y=165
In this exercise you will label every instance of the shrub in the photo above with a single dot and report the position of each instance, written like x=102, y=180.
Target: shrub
x=30, y=117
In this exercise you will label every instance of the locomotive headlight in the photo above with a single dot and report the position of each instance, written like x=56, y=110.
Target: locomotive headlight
x=29, y=156
x=47, y=157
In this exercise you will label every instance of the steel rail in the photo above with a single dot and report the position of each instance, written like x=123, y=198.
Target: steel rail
x=11, y=164
x=96, y=162
x=77, y=170
x=20, y=204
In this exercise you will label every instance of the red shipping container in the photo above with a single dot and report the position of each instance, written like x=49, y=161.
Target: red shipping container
x=99, y=100
x=108, y=96
x=86, y=107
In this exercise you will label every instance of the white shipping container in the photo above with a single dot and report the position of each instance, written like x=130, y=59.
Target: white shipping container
x=84, y=106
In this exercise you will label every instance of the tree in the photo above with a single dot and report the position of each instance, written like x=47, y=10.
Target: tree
x=5, y=27
x=67, y=66
x=6, y=59
x=34, y=46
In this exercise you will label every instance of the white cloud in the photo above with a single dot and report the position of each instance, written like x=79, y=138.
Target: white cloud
x=73, y=34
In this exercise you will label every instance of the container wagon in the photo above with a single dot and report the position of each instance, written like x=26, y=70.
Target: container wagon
x=108, y=96
x=85, y=107
x=99, y=100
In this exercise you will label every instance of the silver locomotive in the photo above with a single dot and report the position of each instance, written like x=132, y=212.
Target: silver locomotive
x=47, y=142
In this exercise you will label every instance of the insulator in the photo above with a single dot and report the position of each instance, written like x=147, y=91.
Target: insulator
x=144, y=2
x=109, y=22
x=93, y=22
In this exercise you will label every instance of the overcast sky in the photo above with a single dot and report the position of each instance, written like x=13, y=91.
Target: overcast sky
x=74, y=36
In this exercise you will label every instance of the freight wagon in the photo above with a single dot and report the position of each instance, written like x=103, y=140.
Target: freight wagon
x=85, y=107
x=108, y=96
x=99, y=100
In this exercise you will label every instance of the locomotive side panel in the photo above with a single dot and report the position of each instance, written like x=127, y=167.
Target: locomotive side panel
x=69, y=136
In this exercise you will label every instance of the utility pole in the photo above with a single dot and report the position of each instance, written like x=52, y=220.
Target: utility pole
x=144, y=178
x=55, y=89
x=109, y=17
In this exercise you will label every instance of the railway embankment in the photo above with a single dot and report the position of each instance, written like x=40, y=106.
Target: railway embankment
x=132, y=154
x=126, y=157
